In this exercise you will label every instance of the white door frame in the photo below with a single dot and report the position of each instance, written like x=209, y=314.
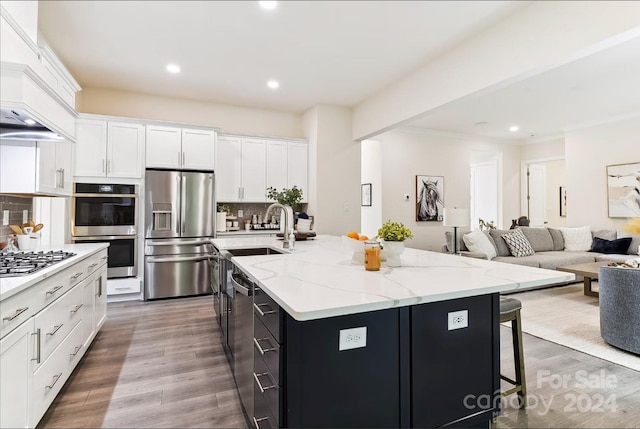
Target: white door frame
x=523, y=178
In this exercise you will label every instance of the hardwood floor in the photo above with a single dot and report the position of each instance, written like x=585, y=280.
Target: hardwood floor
x=154, y=364
x=161, y=364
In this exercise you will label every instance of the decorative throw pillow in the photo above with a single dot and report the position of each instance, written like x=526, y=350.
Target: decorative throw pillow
x=477, y=241
x=619, y=246
x=577, y=239
x=518, y=244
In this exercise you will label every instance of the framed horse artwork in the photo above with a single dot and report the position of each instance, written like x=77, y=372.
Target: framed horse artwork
x=429, y=198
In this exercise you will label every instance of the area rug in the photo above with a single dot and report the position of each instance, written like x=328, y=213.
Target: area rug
x=564, y=315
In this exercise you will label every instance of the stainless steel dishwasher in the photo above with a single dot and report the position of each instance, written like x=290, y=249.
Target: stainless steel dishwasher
x=242, y=337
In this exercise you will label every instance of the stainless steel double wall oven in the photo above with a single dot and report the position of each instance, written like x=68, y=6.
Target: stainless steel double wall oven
x=108, y=213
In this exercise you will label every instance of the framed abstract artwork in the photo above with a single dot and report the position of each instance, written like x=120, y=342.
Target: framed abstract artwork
x=563, y=201
x=429, y=198
x=623, y=190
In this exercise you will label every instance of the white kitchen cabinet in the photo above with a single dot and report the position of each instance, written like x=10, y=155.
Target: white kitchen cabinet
x=241, y=170
x=88, y=309
x=109, y=149
x=298, y=167
x=277, y=165
x=100, y=301
x=16, y=351
x=30, y=167
x=180, y=148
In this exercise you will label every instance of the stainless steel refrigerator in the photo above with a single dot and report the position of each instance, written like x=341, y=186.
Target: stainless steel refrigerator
x=179, y=223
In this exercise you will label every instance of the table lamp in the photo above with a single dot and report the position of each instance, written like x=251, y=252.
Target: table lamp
x=456, y=218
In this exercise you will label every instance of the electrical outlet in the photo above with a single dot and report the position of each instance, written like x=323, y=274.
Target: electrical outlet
x=353, y=338
x=5, y=217
x=240, y=213
x=25, y=216
x=458, y=319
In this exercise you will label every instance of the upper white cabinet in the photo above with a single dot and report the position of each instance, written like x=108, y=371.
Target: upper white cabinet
x=109, y=149
x=298, y=167
x=30, y=167
x=180, y=148
x=277, y=165
x=241, y=170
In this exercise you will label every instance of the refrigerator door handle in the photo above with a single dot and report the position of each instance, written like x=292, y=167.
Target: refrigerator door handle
x=183, y=192
x=160, y=259
x=178, y=179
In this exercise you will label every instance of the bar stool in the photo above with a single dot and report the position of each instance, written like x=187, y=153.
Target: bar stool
x=510, y=311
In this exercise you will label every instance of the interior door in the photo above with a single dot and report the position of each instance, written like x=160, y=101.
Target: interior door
x=484, y=193
x=537, y=194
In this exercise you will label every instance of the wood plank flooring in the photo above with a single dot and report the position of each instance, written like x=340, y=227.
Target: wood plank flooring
x=161, y=364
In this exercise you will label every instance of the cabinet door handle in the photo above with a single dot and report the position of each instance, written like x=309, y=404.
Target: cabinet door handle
x=76, y=350
x=104, y=165
x=55, y=380
x=108, y=166
x=263, y=313
x=62, y=179
x=183, y=159
x=263, y=389
x=76, y=308
x=37, y=358
x=92, y=266
x=262, y=351
x=54, y=290
x=55, y=329
x=16, y=314
x=100, y=287
x=256, y=422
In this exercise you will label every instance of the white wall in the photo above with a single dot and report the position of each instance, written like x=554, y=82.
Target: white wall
x=536, y=38
x=335, y=188
x=371, y=217
x=407, y=154
x=231, y=119
x=588, y=152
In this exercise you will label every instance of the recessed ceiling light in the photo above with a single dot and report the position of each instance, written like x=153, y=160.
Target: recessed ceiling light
x=29, y=122
x=273, y=84
x=514, y=128
x=268, y=4
x=173, y=68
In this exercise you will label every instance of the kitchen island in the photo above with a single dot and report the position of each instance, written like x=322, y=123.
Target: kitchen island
x=424, y=352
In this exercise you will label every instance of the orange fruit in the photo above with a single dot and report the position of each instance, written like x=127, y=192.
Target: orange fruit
x=353, y=234
x=363, y=238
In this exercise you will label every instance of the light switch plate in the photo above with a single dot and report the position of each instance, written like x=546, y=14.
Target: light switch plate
x=353, y=338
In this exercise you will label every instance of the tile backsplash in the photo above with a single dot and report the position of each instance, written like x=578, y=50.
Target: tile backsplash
x=250, y=209
x=15, y=205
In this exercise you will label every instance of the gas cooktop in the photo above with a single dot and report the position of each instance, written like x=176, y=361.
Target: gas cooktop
x=15, y=264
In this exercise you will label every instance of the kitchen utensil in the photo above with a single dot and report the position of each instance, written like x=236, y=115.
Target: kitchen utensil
x=31, y=223
x=16, y=229
x=27, y=230
x=38, y=227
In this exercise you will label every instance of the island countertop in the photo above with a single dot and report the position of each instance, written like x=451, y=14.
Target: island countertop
x=318, y=280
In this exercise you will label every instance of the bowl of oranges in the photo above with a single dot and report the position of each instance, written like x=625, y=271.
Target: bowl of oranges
x=355, y=242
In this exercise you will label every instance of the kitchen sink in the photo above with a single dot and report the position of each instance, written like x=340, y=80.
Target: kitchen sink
x=254, y=251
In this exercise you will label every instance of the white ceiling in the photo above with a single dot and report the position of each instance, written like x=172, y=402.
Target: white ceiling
x=322, y=52
x=600, y=87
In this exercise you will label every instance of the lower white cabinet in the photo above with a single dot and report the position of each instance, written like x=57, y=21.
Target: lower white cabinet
x=16, y=352
x=38, y=354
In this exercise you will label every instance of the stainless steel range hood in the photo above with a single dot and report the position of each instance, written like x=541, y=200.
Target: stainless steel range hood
x=17, y=124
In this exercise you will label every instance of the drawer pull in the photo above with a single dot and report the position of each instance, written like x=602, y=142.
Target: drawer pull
x=104, y=258
x=92, y=266
x=76, y=308
x=256, y=422
x=76, y=275
x=262, y=389
x=262, y=351
x=16, y=314
x=37, y=358
x=76, y=350
x=55, y=329
x=55, y=380
x=263, y=313
x=123, y=288
x=54, y=290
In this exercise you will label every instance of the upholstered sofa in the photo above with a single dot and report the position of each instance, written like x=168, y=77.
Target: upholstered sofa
x=620, y=307
x=549, y=247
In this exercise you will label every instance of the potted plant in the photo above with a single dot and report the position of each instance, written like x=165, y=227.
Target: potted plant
x=287, y=197
x=394, y=234
x=224, y=208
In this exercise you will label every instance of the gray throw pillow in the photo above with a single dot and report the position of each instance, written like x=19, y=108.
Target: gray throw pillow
x=501, y=246
x=539, y=238
x=558, y=239
x=605, y=234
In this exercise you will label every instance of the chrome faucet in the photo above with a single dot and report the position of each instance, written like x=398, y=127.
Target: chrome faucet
x=286, y=220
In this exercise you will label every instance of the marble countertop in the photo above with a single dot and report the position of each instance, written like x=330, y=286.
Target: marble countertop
x=318, y=280
x=10, y=286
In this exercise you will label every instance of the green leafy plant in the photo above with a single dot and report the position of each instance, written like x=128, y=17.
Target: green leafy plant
x=224, y=208
x=394, y=231
x=287, y=197
x=484, y=224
